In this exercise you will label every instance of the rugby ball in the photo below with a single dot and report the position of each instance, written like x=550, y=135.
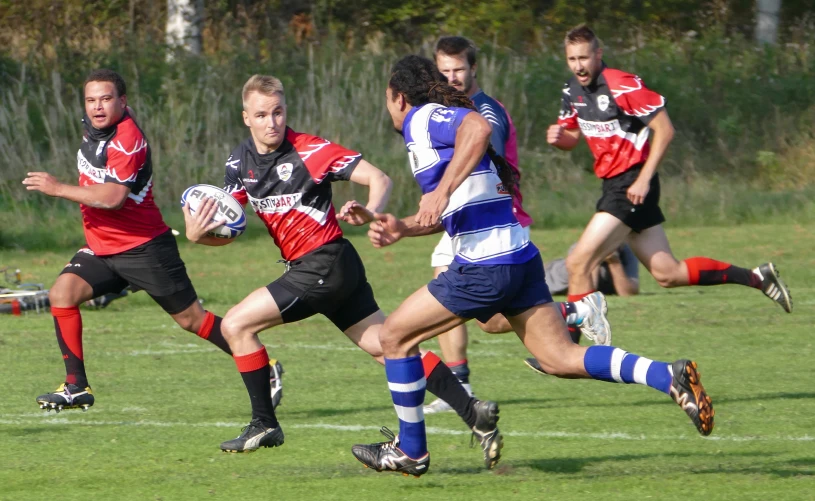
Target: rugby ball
x=229, y=209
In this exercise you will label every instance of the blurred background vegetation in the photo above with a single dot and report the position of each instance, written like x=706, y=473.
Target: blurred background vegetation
x=744, y=111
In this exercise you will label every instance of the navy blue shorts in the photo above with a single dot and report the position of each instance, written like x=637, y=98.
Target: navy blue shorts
x=479, y=291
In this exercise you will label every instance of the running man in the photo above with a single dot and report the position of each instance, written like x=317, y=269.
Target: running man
x=616, y=113
x=467, y=193
x=127, y=240
x=287, y=176
x=456, y=59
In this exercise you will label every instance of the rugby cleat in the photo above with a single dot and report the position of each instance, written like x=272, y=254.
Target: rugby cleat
x=486, y=430
x=437, y=406
x=67, y=396
x=276, y=379
x=255, y=435
x=595, y=326
x=773, y=287
x=386, y=456
x=533, y=364
x=688, y=392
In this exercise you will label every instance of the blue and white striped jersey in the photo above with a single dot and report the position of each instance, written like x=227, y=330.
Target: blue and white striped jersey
x=479, y=218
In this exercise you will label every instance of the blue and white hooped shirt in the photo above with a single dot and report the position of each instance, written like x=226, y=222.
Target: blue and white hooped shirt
x=479, y=218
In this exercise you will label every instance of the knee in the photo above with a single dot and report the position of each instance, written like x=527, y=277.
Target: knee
x=393, y=343
x=189, y=323
x=62, y=297
x=667, y=278
x=230, y=328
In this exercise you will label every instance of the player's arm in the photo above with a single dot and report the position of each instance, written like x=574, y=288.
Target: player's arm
x=379, y=191
x=109, y=196
x=472, y=138
x=562, y=138
x=565, y=134
x=663, y=134
x=387, y=229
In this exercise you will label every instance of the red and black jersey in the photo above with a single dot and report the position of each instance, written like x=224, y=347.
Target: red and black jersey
x=290, y=188
x=119, y=154
x=613, y=113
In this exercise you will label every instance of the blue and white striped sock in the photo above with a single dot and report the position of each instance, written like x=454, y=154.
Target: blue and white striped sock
x=407, y=384
x=614, y=365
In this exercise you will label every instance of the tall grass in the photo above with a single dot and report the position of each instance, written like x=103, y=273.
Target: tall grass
x=743, y=151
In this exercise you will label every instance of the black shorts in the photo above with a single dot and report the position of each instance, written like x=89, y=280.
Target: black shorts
x=329, y=280
x=155, y=267
x=615, y=201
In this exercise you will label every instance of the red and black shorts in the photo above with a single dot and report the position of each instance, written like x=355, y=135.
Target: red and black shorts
x=615, y=201
x=329, y=280
x=154, y=267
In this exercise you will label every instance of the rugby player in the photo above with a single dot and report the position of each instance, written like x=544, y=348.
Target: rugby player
x=456, y=59
x=286, y=176
x=616, y=113
x=127, y=240
x=467, y=193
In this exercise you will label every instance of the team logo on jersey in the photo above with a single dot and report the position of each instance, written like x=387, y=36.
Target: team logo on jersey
x=284, y=171
x=602, y=102
x=415, y=160
x=100, y=148
x=501, y=189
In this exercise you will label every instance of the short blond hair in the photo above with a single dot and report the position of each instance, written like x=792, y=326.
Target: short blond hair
x=265, y=84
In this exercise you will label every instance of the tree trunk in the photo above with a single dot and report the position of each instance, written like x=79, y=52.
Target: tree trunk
x=767, y=21
x=184, y=18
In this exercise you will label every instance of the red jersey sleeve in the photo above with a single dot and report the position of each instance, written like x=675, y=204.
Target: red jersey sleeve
x=632, y=96
x=568, y=114
x=126, y=155
x=325, y=161
x=232, y=178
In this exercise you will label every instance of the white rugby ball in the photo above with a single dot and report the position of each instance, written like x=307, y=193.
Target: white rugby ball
x=229, y=209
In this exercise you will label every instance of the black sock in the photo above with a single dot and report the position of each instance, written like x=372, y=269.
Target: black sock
x=259, y=388
x=442, y=383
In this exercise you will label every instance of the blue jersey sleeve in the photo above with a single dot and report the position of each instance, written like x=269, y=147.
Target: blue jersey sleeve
x=443, y=125
x=497, y=117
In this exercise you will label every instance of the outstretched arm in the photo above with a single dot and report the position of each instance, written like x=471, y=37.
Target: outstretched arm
x=387, y=229
x=379, y=191
x=472, y=139
x=101, y=196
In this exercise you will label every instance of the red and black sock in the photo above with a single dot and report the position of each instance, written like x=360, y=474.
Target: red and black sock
x=254, y=369
x=68, y=324
x=211, y=331
x=442, y=383
x=706, y=271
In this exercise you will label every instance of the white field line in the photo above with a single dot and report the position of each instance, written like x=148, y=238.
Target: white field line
x=46, y=419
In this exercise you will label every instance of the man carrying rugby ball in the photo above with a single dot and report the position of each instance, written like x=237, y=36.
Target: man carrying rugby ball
x=127, y=240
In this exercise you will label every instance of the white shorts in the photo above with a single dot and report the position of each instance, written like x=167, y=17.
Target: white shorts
x=443, y=253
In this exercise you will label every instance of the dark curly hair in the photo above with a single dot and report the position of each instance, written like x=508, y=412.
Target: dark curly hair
x=420, y=81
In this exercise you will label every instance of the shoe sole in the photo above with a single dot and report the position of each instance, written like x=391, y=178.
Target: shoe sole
x=535, y=369
x=775, y=279
x=704, y=405
x=248, y=451
x=50, y=406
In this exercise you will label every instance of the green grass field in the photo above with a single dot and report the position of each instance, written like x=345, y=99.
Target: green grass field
x=166, y=399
